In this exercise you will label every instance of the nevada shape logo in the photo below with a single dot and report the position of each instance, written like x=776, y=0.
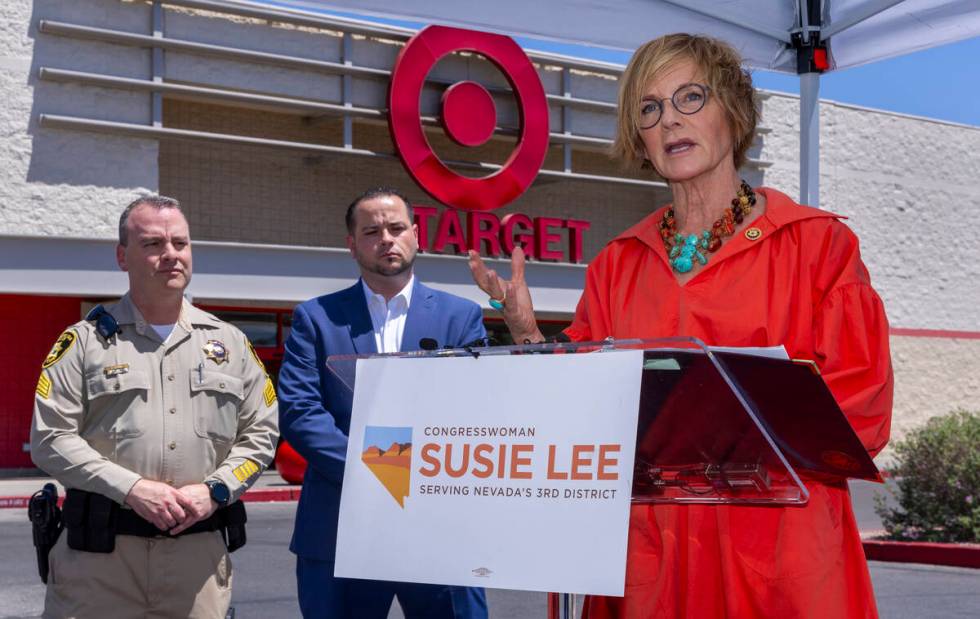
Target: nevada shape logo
x=387, y=452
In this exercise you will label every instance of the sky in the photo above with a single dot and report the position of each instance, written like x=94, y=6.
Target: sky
x=942, y=82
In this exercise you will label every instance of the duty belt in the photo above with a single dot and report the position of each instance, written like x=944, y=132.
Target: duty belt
x=93, y=521
x=131, y=523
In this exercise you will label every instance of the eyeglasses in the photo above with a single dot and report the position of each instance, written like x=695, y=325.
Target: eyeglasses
x=688, y=99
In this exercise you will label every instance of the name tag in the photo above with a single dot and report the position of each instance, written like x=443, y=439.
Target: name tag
x=115, y=370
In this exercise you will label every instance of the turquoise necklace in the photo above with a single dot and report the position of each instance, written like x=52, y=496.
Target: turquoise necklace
x=686, y=250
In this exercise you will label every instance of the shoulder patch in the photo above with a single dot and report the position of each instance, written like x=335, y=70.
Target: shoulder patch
x=62, y=346
x=245, y=470
x=255, y=355
x=269, y=393
x=43, y=386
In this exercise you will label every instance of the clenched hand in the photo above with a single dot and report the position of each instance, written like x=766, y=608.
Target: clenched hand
x=155, y=501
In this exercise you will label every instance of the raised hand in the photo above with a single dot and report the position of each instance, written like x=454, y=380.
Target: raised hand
x=518, y=310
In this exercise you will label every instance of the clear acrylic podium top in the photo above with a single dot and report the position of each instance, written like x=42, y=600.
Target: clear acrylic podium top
x=714, y=425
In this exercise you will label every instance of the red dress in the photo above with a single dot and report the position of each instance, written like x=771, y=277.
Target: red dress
x=800, y=284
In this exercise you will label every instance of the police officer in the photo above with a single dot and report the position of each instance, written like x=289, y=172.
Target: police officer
x=156, y=416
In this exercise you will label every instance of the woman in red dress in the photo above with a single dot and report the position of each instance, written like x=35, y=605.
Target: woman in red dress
x=733, y=266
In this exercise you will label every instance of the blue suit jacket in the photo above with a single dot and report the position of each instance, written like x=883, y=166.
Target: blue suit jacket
x=315, y=408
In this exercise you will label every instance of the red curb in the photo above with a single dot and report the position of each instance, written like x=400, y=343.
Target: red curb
x=271, y=495
x=14, y=501
x=954, y=555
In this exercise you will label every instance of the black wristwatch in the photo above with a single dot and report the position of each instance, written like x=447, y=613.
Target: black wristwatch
x=219, y=492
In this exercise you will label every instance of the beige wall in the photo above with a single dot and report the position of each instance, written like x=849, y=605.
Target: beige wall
x=933, y=375
x=264, y=195
x=65, y=183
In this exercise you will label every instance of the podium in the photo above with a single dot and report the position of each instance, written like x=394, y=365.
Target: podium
x=715, y=425
x=712, y=426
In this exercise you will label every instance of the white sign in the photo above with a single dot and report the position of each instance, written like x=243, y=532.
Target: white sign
x=511, y=472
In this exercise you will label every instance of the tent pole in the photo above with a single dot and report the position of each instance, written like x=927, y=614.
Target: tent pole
x=810, y=139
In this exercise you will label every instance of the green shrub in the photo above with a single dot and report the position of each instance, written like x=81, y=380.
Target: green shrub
x=937, y=471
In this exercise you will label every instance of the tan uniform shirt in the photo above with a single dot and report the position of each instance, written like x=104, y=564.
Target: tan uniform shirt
x=198, y=407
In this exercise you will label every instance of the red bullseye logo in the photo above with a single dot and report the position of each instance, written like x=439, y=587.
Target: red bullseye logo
x=468, y=117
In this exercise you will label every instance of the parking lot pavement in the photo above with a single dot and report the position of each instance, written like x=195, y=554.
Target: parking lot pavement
x=265, y=585
x=914, y=591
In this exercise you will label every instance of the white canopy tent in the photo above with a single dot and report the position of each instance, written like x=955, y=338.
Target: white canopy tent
x=775, y=35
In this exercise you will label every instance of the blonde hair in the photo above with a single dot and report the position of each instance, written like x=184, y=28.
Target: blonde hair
x=722, y=69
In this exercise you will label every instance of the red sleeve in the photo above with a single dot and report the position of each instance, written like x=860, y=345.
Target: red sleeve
x=579, y=330
x=590, y=323
x=851, y=347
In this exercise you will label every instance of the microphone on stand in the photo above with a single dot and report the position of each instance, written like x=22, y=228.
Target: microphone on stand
x=428, y=344
x=479, y=342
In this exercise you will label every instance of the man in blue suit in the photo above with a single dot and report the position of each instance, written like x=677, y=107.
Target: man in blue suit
x=387, y=310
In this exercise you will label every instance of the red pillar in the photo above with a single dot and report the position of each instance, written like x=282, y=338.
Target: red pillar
x=29, y=326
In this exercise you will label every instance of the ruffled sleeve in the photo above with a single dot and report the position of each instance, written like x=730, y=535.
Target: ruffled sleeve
x=851, y=346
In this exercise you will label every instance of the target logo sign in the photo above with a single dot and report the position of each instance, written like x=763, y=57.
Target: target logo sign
x=468, y=116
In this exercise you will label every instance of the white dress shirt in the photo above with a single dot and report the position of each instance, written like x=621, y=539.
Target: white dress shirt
x=388, y=317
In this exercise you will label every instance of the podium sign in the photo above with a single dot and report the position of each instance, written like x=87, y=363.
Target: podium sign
x=510, y=472
x=514, y=466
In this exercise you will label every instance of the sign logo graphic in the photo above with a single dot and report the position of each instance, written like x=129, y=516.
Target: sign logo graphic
x=468, y=116
x=387, y=452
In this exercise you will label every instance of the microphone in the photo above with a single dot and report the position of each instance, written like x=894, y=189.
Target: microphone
x=427, y=343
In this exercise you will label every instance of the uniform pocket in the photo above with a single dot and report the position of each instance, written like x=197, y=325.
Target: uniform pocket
x=116, y=401
x=216, y=398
